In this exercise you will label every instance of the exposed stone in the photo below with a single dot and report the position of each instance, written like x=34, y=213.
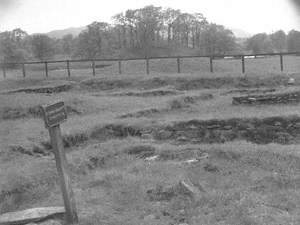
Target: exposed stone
x=149, y=217
x=146, y=136
x=152, y=158
x=280, y=98
x=183, y=188
x=141, y=151
x=211, y=168
x=261, y=131
x=189, y=190
x=164, y=134
x=182, y=138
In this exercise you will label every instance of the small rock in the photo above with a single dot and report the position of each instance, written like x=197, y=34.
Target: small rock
x=146, y=136
x=291, y=81
x=190, y=161
x=149, y=217
x=164, y=134
x=152, y=158
x=277, y=123
x=182, y=138
x=211, y=168
x=215, y=126
x=193, y=127
x=188, y=189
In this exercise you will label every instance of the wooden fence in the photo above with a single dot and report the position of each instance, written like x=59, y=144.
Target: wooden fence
x=242, y=57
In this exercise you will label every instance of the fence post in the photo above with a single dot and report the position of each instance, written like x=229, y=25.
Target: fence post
x=147, y=66
x=281, y=62
x=93, y=67
x=178, y=65
x=54, y=115
x=23, y=70
x=46, y=69
x=243, y=64
x=120, y=67
x=211, y=64
x=68, y=68
x=3, y=69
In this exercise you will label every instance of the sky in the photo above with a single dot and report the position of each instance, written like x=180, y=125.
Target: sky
x=252, y=16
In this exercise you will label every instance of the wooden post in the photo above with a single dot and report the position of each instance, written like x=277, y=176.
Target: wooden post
x=211, y=64
x=178, y=65
x=68, y=68
x=93, y=66
x=281, y=62
x=23, y=70
x=53, y=116
x=46, y=69
x=3, y=69
x=120, y=67
x=147, y=66
x=65, y=181
x=243, y=64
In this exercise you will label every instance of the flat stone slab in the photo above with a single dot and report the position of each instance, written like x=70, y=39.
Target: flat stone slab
x=30, y=215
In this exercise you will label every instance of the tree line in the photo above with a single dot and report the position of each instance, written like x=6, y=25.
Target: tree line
x=148, y=31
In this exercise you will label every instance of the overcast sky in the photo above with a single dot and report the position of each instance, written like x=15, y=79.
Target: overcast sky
x=253, y=16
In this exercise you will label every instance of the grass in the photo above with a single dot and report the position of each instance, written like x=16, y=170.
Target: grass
x=252, y=184
x=108, y=135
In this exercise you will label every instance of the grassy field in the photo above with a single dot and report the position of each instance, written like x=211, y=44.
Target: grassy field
x=247, y=167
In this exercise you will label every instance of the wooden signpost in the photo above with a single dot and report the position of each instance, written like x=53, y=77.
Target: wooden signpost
x=54, y=115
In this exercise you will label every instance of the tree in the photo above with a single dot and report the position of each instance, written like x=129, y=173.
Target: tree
x=169, y=16
x=279, y=41
x=216, y=39
x=12, y=46
x=91, y=41
x=120, y=22
x=67, y=44
x=148, y=24
x=259, y=43
x=293, y=41
x=198, y=24
x=42, y=46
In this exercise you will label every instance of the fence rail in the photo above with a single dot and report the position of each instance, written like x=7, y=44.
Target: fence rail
x=4, y=65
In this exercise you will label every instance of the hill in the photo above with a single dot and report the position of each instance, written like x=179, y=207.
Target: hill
x=60, y=33
x=239, y=33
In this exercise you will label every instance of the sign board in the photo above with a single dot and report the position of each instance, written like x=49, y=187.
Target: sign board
x=54, y=114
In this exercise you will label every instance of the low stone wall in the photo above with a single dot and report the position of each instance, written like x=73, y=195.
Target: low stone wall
x=283, y=130
x=282, y=98
x=42, y=89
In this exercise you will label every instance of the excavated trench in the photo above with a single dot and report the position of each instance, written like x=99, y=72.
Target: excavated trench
x=34, y=111
x=280, y=130
x=181, y=84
